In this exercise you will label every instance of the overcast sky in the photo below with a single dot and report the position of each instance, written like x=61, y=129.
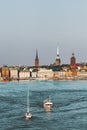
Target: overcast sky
x=27, y=25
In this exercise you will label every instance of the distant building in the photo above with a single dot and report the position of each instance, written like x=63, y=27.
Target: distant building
x=36, y=59
x=0, y=74
x=82, y=74
x=58, y=61
x=5, y=73
x=14, y=73
x=24, y=74
x=45, y=73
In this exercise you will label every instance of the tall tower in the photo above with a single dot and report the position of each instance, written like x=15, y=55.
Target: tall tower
x=36, y=59
x=73, y=65
x=58, y=61
x=73, y=61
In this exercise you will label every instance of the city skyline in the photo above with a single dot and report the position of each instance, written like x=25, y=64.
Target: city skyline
x=43, y=25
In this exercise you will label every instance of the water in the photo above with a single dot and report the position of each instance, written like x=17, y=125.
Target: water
x=69, y=111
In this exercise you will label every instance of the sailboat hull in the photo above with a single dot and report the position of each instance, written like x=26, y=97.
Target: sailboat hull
x=28, y=115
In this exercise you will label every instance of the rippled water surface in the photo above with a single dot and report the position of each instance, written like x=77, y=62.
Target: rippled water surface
x=69, y=111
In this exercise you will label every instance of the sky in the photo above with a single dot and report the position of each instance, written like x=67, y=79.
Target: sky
x=27, y=25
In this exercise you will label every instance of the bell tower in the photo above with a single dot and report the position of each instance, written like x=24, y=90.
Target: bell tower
x=73, y=65
x=58, y=61
x=73, y=61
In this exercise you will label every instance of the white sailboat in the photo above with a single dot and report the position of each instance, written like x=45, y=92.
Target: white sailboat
x=28, y=115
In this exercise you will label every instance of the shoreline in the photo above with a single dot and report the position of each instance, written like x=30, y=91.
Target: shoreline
x=47, y=79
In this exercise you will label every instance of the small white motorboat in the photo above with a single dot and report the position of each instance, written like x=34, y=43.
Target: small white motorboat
x=48, y=104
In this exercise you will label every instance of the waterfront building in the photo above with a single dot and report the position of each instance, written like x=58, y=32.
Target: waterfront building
x=82, y=74
x=0, y=74
x=34, y=74
x=14, y=75
x=45, y=73
x=24, y=74
x=68, y=73
x=36, y=60
x=5, y=73
x=58, y=61
x=59, y=75
x=84, y=67
x=56, y=75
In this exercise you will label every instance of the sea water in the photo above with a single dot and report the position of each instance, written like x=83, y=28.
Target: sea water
x=69, y=110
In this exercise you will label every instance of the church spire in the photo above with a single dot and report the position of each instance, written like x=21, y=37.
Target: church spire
x=36, y=54
x=36, y=59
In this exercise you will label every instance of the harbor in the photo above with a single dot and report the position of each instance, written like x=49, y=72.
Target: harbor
x=68, y=112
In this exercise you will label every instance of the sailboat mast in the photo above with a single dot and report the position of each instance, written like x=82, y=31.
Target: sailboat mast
x=28, y=101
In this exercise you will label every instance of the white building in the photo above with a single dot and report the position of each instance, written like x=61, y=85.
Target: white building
x=14, y=73
x=24, y=75
x=45, y=73
x=34, y=74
